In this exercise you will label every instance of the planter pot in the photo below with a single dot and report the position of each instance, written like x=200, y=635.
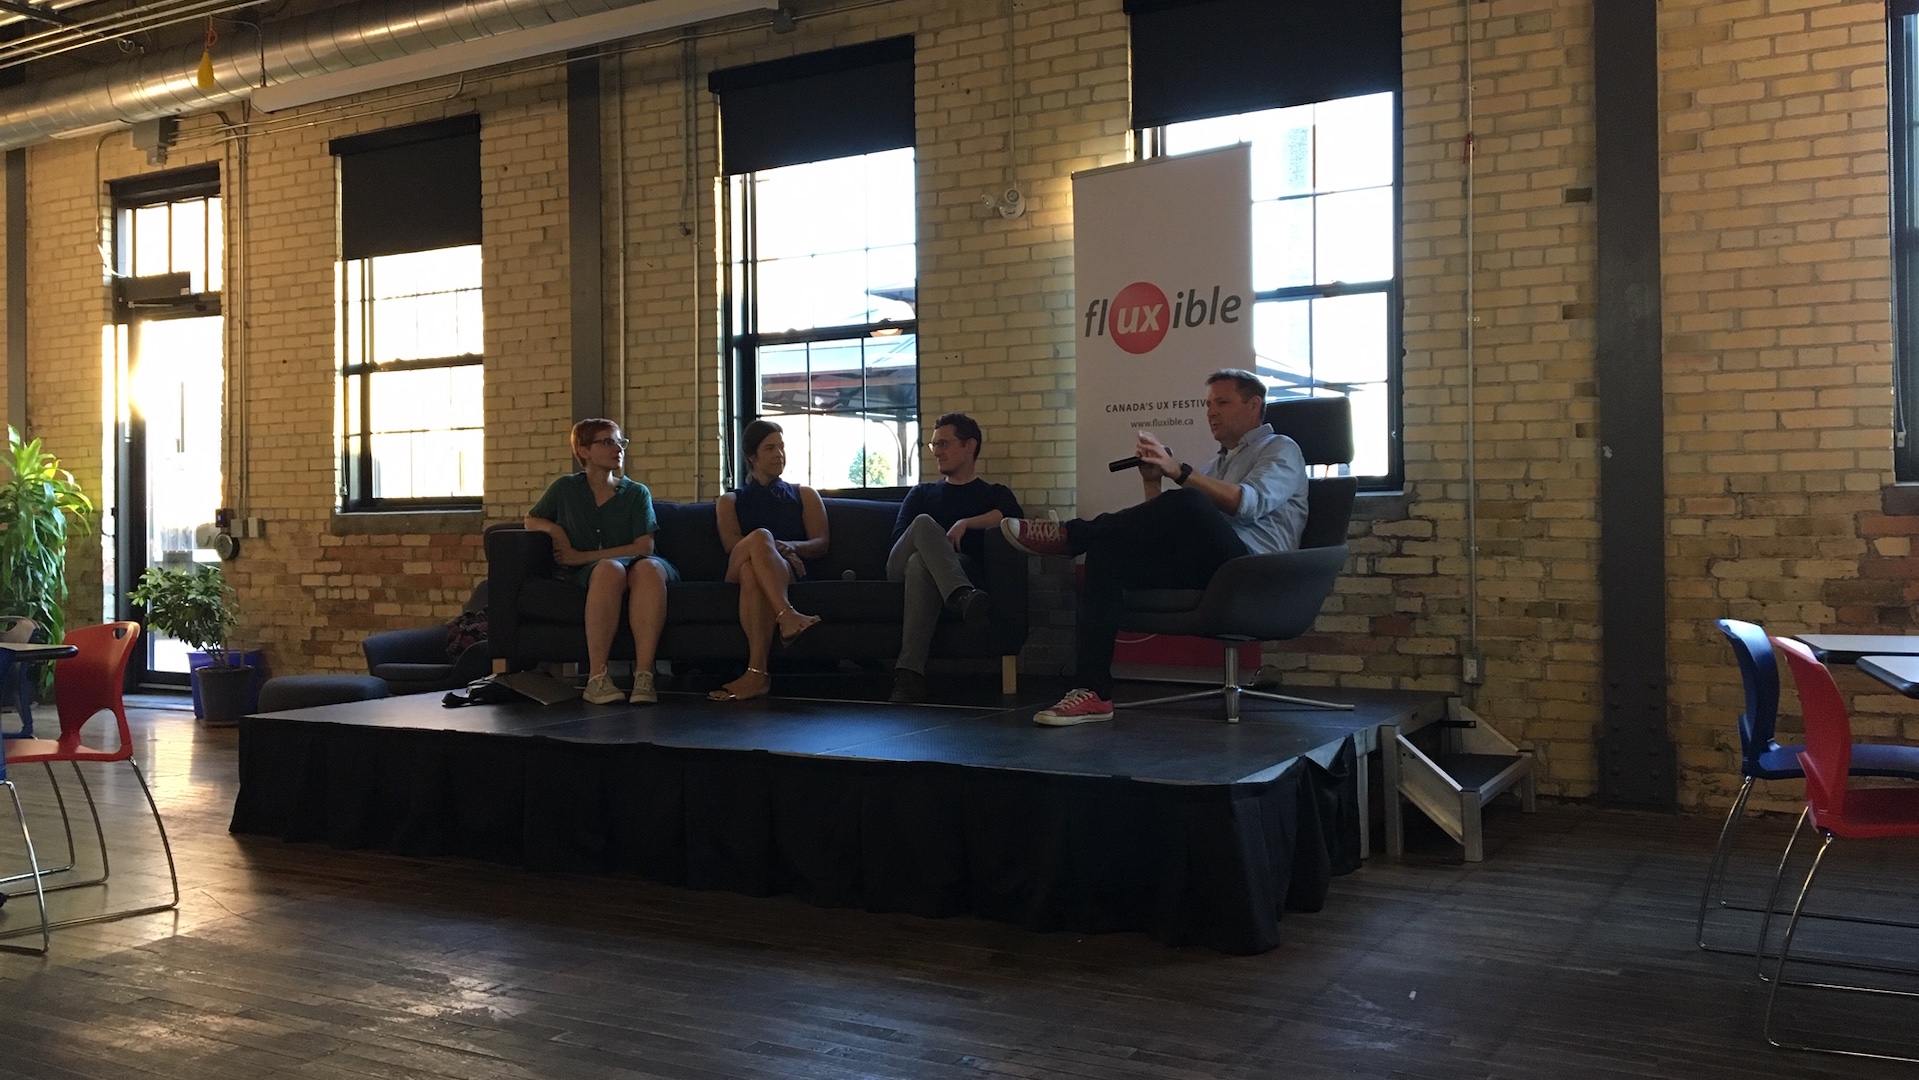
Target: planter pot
x=255, y=659
x=223, y=694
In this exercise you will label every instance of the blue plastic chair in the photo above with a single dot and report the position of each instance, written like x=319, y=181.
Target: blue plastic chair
x=1762, y=758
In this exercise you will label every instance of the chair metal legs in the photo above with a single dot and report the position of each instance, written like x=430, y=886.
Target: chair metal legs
x=1778, y=978
x=1230, y=691
x=166, y=846
x=33, y=865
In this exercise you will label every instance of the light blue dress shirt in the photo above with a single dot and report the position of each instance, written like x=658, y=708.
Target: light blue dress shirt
x=1271, y=474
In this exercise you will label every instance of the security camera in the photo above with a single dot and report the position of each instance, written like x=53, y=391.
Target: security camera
x=1011, y=204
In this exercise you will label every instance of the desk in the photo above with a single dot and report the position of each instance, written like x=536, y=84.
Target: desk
x=24, y=653
x=1899, y=672
x=1848, y=648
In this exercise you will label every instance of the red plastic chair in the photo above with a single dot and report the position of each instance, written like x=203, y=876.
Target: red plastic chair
x=1834, y=809
x=85, y=685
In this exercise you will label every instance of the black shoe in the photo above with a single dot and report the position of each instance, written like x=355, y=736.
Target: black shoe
x=909, y=687
x=971, y=605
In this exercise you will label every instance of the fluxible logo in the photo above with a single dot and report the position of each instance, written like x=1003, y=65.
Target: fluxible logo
x=1138, y=317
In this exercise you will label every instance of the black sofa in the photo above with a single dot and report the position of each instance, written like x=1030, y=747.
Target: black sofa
x=533, y=617
x=415, y=660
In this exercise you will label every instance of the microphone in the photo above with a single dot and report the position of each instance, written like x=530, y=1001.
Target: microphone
x=1124, y=463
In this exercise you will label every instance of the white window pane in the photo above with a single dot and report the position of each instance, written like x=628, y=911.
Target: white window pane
x=1282, y=152
x=1283, y=341
x=784, y=383
x=890, y=198
x=1349, y=339
x=190, y=242
x=786, y=295
x=1372, y=436
x=890, y=273
x=1355, y=232
x=151, y=242
x=216, y=245
x=1208, y=134
x=1282, y=244
x=1354, y=142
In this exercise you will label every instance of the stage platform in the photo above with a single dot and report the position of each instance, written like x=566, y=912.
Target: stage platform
x=1166, y=821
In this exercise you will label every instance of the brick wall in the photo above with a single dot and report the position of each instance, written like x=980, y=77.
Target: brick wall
x=1776, y=277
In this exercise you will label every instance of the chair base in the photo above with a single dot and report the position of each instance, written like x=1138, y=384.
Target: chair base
x=1230, y=690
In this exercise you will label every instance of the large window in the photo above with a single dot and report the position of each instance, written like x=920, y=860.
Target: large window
x=822, y=258
x=1314, y=89
x=411, y=378
x=410, y=329
x=1903, y=41
x=1324, y=262
x=823, y=292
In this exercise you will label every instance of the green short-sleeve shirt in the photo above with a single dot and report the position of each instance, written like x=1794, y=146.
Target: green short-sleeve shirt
x=622, y=519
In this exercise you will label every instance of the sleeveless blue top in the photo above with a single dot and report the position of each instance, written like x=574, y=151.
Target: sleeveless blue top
x=774, y=507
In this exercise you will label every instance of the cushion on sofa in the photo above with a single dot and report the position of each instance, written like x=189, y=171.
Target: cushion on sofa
x=689, y=538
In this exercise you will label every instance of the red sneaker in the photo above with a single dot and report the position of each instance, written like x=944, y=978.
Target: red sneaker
x=1077, y=707
x=1036, y=537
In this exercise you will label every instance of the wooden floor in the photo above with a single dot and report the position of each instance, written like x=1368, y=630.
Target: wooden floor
x=1568, y=953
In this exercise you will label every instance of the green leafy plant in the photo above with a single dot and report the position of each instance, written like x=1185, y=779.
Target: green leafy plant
x=870, y=469
x=36, y=499
x=191, y=604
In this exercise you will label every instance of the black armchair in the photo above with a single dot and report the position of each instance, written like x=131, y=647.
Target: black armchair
x=414, y=660
x=1267, y=597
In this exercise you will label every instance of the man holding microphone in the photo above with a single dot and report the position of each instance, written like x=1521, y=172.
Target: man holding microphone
x=1250, y=499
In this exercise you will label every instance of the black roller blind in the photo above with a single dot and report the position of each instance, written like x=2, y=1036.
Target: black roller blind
x=412, y=188
x=1198, y=58
x=856, y=100
x=197, y=182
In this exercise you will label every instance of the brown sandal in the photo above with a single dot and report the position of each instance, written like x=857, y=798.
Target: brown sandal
x=807, y=622
x=726, y=694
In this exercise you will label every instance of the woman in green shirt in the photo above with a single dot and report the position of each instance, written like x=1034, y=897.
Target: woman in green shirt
x=602, y=527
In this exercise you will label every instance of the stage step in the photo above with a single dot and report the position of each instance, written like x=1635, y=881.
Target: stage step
x=1450, y=780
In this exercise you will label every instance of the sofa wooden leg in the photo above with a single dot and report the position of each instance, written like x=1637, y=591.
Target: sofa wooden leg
x=1009, y=675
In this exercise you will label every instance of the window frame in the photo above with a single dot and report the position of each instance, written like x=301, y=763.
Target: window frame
x=1152, y=144
x=356, y=471
x=740, y=331
x=1902, y=92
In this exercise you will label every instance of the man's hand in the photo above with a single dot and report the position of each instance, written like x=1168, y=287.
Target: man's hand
x=957, y=532
x=1156, y=460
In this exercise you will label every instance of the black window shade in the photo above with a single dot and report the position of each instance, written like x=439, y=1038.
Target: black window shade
x=856, y=100
x=197, y=182
x=412, y=188
x=1198, y=58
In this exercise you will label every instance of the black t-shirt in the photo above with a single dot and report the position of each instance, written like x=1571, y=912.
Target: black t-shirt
x=948, y=503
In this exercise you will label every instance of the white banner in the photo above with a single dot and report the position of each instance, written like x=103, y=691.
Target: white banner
x=1163, y=280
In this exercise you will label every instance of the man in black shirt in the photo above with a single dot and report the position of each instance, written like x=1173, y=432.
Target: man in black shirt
x=939, y=546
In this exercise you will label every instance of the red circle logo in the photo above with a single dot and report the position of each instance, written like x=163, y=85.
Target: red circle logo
x=1139, y=317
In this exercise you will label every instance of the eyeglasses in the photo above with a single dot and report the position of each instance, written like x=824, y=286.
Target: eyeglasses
x=614, y=441
x=941, y=444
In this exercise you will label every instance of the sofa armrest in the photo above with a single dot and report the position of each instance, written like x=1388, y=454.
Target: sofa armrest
x=1006, y=582
x=512, y=557
x=415, y=645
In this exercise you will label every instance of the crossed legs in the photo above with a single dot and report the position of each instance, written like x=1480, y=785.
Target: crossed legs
x=763, y=576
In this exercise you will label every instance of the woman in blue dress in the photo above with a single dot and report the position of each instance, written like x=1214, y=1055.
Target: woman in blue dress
x=602, y=526
x=769, y=529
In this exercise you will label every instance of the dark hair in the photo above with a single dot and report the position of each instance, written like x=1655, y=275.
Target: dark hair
x=755, y=434
x=589, y=431
x=1247, y=383
x=963, y=426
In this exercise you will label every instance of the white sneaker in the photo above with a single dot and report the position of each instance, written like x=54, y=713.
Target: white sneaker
x=643, y=692
x=601, y=691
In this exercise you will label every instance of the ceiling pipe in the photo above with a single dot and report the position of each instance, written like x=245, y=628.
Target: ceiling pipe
x=336, y=39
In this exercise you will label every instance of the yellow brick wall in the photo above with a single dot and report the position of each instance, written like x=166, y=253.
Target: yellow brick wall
x=1776, y=278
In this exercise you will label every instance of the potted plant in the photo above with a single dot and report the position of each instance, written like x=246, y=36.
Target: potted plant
x=194, y=604
x=36, y=498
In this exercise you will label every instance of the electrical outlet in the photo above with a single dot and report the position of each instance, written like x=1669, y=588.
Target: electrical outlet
x=1472, y=670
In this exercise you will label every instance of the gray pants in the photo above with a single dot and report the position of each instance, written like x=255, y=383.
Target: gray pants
x=925, y=560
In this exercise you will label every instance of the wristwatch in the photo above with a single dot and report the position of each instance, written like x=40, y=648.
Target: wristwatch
x=1185, y=471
